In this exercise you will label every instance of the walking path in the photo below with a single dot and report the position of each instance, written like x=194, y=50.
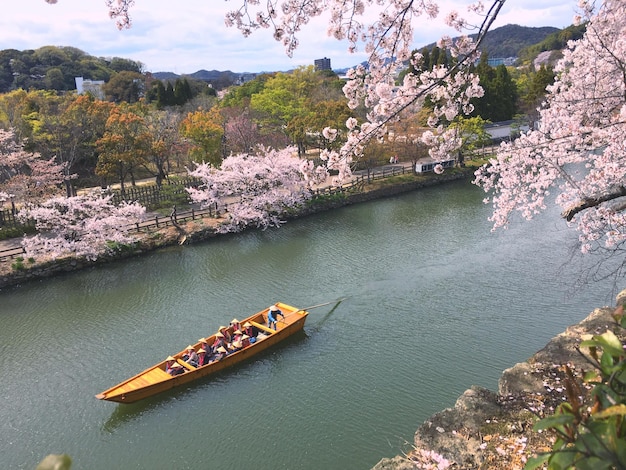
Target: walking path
x=12, y=246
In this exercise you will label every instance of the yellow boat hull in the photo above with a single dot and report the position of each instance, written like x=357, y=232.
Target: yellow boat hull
x=155, y=379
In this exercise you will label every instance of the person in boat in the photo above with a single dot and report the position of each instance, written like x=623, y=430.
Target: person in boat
x=203, y=357
x=272, y=316
x=235, y=346
x=176, y=369
x=237, y=334
x=204, y=344
x=169, y=362
x=250, y=331
x=235, y=324
x=191, y=357
x=226, y=333
x=219, y=341
x=245, y=341
x=220, y=354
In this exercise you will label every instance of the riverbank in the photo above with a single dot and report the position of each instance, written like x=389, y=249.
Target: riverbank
x=494, y=430
x=16, y=271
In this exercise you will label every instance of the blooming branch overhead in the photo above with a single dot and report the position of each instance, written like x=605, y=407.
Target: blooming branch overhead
x=579, y=147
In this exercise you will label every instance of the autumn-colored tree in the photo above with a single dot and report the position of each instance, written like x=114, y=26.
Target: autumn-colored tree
x=125, y=145
x=70, y=130
x=205, y=129
x=404, y=140
x=162, y=126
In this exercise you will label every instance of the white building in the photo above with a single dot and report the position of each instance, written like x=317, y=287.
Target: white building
x=90, y=86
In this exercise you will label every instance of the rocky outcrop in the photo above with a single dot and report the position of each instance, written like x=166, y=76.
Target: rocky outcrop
x=489, y=430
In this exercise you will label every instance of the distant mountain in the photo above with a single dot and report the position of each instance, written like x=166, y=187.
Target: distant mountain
x=509, y=40
x=217, y=79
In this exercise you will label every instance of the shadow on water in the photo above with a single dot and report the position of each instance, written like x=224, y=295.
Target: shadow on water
x=124, y=413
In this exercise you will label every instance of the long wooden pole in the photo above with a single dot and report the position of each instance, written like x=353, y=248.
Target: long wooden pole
x=336, y=302
x=322, y=305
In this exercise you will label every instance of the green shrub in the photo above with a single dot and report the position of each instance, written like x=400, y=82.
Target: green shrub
x=18, y=264
x=591, y=424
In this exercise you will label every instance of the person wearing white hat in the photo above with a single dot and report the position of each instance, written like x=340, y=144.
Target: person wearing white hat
x=221, y=353
x=272, y=316
x=191, y=357
x=177, y=369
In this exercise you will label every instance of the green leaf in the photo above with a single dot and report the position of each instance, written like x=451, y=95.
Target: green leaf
x=536, y=461
x=553, y=421
x=607, y=341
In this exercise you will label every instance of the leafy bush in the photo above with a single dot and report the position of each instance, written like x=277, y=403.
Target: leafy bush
x=591, y=425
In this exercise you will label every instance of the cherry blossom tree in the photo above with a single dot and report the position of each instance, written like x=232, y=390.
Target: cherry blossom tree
x=258, y=188
x=25, y=176
x=579, y=147
x=87, y=226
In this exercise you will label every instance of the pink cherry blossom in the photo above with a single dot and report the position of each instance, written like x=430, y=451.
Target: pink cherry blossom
x=578, y=151
x=83, y=226
x=25, y=175
x=258, y=188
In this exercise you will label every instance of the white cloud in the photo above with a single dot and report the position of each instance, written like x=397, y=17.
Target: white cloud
x=184, y=37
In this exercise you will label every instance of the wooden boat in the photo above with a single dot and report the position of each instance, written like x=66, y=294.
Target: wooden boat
x=156, y=380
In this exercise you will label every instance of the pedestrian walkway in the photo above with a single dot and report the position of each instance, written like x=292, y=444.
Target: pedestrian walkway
x=12, y=247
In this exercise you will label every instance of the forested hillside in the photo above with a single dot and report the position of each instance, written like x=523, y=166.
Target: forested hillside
x=54, y=68
x=509, y=40
x=553, y=42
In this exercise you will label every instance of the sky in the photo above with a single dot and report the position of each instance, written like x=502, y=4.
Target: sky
x=186, y=36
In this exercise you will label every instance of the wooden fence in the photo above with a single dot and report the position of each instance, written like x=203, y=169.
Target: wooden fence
x=156, y=222
x=8, y=218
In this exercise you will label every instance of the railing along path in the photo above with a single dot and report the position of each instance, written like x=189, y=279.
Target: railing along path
x=156, y=221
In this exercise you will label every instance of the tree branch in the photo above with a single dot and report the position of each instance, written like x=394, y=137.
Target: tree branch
x=587, y=203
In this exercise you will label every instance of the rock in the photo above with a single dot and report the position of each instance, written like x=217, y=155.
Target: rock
x=484, y=427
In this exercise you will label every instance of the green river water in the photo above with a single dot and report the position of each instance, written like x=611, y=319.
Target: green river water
x=435, y=303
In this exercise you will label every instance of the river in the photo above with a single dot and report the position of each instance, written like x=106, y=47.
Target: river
x=434, y=303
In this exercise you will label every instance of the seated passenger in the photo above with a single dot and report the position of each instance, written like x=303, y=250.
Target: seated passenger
x=245, y=341
x=251, y=331
x=226, y=333
x=203, y=357
x=191, y=357
x=204, y=344
x=221, y=354
x=237, y=334
x=177, y=369
x=168, y=364
x=234, y=323
x=219, y=341
x=235, y=346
